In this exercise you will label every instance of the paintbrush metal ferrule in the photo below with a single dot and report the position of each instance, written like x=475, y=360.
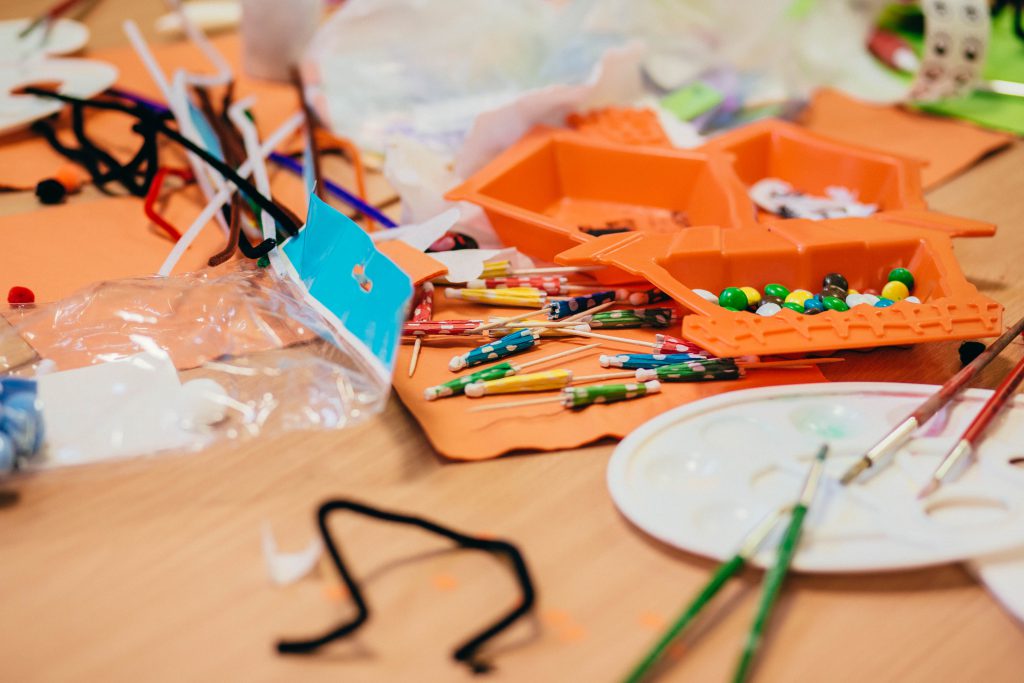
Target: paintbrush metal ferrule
x=756, y=536
x=893, y=440
x=954, y=462
x=813, y=477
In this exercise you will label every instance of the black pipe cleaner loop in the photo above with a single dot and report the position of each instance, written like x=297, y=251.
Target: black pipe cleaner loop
x=466, y=653
x=104, y=168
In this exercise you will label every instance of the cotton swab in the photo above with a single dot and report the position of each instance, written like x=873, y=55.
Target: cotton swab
x=964, y=449
x=902, y=432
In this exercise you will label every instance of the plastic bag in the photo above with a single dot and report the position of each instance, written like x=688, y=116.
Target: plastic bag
x=143, y=365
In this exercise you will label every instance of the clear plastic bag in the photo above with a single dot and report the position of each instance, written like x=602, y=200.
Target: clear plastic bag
x=142, y=365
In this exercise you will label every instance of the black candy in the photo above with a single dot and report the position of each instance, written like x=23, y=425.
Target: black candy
x=835, y=280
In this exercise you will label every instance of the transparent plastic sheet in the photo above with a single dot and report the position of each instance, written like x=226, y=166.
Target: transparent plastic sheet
x=117, y=365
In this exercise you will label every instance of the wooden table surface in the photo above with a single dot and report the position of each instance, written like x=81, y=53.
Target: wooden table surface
x=151, y=569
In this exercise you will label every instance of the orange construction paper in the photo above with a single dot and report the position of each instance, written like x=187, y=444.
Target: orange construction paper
x=59, y=249
x=948, y=147
x=462, y=435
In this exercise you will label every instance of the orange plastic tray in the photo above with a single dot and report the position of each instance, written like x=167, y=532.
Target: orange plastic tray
x=540, y=192
x=811, y=163
x=799, y=253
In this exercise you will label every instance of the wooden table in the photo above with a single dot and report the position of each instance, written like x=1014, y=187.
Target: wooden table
x=151, y=569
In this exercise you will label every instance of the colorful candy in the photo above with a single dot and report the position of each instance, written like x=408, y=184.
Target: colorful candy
x=835, y=280
x=798, y=296
x=734, y=298
x=776, y=290
x=517, y=342
x=753, y=297
x=834, y=303
x=633, y=361
x=895, y=290
x=768, y=309
x=706, y=295
x=902, y=275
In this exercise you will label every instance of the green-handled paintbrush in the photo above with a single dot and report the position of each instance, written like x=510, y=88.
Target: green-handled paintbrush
x=776, y=575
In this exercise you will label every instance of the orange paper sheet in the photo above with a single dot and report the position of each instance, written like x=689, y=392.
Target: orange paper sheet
x=462, y=435
x=948, y=147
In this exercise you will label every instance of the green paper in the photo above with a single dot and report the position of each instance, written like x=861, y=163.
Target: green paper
x=692, y=100
x=1004, y=62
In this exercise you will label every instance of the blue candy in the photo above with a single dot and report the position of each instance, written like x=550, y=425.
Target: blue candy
x=884, y=303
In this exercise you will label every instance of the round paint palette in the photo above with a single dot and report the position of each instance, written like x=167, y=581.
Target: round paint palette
x=701, y=476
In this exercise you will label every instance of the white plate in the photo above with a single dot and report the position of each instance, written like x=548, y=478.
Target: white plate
x=699, y=477
x=83, y=78
x=65, y=37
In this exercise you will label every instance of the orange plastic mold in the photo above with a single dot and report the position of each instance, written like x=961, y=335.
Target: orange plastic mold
x=798, y=254
x=811, y=163
x=541, y=193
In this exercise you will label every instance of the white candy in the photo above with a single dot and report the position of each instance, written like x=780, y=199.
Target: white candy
x=856, y=300
x=913, y=299
x=768, y=309
x=706, y=295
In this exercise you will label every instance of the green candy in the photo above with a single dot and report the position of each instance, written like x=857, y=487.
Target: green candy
x=902, y=275
x=776, y=290
x=458, y=385
x=733, y=298
x=793, y=306
x=834, y=303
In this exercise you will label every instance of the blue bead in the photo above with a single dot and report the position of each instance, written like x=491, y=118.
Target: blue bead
x=6, y=454
x=884, y=303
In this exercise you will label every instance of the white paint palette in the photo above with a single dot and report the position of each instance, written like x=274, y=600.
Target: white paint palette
x=701, y=476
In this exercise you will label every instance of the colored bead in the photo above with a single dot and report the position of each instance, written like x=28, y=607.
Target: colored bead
x=581, y=397
x=902, y=275
x=834, y=303
x=793, y=306
x=835, y=280
x=768, y=309
x=706, y=295
x=753, y=297
x=798, y=296
x=895, y=290
x=459, y=384
x=633, y=361
x=513, y=384
x=776, y=290
x=884, y=303
x=578, y=304
x=733, y=298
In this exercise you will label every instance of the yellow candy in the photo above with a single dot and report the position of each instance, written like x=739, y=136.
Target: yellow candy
x=852, y=291
x=895, y=291
x=798, y=296
x=753, y=296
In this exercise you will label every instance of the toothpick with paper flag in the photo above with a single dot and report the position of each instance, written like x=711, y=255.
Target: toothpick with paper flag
x=361, y=292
